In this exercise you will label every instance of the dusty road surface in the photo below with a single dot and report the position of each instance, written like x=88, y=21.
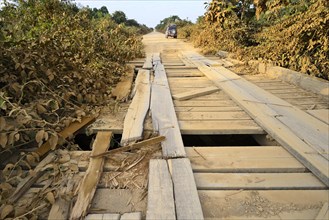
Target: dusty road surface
x=156, y=42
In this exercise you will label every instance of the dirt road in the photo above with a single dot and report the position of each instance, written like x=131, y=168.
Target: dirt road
x=156, y=42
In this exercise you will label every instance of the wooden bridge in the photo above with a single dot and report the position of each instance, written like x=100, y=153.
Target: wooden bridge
x=275, y=168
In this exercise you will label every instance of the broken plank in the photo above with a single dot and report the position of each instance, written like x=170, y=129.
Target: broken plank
x=195, y=93
x=187, y=201
x=67, y=132
x=161, y=204
x=123, y=88
x=163, y=115
x=88, y=185
x=257, y=181
x=28, y=181
x=133, y=146
x=134, y=120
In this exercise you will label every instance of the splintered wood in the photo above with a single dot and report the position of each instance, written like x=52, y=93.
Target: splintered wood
x=88, y=185
x=134, y=120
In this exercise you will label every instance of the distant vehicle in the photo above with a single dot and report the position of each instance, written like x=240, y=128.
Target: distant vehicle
x=171, y=31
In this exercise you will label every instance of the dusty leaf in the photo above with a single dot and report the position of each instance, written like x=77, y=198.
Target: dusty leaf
x=3, y=140
x=50, y=197
x=41, y=109
x=53, y=140
x=39, y=136
x=7, y=209
x=2, y=123
x=30, y=159
x=5, y=186
x=11, y=138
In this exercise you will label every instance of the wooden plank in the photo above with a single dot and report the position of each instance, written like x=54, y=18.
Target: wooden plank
x=257, y=181
x=118, y=201
x=67, y=132
x=220, y=127
x=148, y=62
x=163, y=115
x=208, y=109
x=188, y=103
x=324, y=212
x=286, y=129
x=321, y=114
x=187, y=201
x=131, y=216
x=262, y=204
x=161, y=204
x=94, y=217
x=88, y=185
x=134, y=120
x=206, y=116
x=195, y=93
x=103, y=216
x=185, y=74
x=123, y=88
x=243, y=159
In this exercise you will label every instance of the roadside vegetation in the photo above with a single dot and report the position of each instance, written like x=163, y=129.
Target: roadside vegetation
x=58, y=63
x=289, y=33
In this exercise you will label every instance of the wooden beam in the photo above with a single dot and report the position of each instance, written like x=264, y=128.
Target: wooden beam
x=131, y=216
x=161, y=204
x=187, y=201
x=257, y=181
x=164, y=117
x=301, y=134
x=88, y=185
x=67, y=132
x=134, y=120
x=134, y=146
x=196, y=93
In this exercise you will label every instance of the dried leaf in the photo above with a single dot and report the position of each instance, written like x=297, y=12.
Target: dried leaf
x=39, y=136
x=53, y=141
x=3, y=140
x=41, y=109
x=30, y=159
x=5, y=186
x=11, y=138
x=2, y=123
x=50, y=197
x=6, y=211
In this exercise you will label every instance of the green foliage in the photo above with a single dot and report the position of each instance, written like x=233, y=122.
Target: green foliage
x=174, y=19
x=55, y=61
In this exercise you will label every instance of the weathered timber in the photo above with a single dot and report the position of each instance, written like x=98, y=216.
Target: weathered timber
x=163, y=115
x=134, y=120
x=67, y=132
x=195, y=93
x=187, y=201
x=88, y=185
x=302, y=135
x=161, y=204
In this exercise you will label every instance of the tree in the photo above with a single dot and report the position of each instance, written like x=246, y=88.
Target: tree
x=119, y=17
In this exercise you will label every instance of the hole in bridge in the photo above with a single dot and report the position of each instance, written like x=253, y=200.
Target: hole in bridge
x=219, y=140
x=85, y=142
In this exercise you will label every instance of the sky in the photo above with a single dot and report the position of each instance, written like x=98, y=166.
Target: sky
x=151, y=12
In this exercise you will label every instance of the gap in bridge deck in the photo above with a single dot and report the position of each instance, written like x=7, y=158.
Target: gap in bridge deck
x=219, y=140
x=85, y=142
